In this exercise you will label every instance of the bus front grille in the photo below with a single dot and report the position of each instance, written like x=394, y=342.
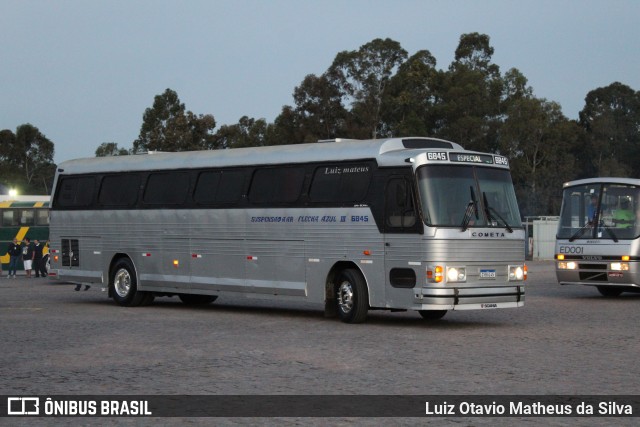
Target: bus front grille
x=593, y=276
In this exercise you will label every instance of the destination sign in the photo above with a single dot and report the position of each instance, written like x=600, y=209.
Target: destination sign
x=501, y=160
x=437, y=155
x=471, y=158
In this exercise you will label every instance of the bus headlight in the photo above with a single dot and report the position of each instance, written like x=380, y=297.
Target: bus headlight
x=517, y=272
x=456, y=274
x=442, y=274
x=619, y=266
x=567, y=265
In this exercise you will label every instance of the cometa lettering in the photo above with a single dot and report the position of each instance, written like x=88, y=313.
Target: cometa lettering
x=487, y=235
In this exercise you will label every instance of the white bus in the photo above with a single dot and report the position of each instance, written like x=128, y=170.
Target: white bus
x=598, y=240
x=396, y=224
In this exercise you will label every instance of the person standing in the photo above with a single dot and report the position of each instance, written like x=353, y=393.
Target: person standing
x=27, y=256
x=15, y=251
x=38, y=262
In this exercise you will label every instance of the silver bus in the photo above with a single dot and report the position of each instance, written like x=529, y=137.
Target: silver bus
x=598, y=239
x=395, y=224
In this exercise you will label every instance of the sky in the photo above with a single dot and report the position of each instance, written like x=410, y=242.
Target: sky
x=83, y=72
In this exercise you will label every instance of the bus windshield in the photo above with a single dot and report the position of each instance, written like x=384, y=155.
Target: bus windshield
x=468, y=196
x=600, y=211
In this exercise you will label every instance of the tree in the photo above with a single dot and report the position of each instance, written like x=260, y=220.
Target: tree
x=362, y=77
x=535, y=136
x=611, y=121
x=26, y=159
x=471, y=92
x=408, y=107
x=319, y=109
x=107, y=149
x=248, y=132
x=167, y=126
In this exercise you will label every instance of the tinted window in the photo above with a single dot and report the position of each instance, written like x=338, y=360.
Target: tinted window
x=340, y=183
x=75, y=192
x=27, y=217
x=276, y=185
x=9, y=217
x=166, y=188
x=219, y=187
x=399, y=207
x=119, y=190
x=42, y=217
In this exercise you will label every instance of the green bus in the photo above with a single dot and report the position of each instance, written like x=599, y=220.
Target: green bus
x=20, y=217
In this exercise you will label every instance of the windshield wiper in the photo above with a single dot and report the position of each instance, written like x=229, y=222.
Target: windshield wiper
x=472, y=207
x=606, y=228
x=489, y=210
x=611, y=233
x=580, y=232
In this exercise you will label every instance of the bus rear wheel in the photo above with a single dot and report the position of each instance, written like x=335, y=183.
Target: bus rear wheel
x=352, y=298
x=432, y=314
x=610, y=291
x=123, y=285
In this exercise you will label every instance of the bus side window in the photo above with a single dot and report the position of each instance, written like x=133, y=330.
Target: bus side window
x=27, y=217
x=42, y=217
x=400, y=210
x=9, y=217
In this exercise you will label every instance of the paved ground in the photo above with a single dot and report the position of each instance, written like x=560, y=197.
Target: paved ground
x=566, y=340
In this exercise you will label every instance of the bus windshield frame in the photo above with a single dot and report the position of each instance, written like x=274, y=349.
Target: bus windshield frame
x=467, y=196
x=600, y=210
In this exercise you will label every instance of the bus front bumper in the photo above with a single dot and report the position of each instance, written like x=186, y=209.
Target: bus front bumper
x=481, y=298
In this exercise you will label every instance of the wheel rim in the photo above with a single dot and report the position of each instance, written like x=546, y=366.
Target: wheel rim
x=345, y=296
x=122, y=283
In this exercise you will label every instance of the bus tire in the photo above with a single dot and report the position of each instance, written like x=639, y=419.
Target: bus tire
x=123, y=284
x=610, y=291
x=432, y=314
x=191, y=299
x=352, y=297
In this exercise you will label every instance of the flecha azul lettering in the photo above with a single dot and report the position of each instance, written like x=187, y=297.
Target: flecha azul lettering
x=440, y=409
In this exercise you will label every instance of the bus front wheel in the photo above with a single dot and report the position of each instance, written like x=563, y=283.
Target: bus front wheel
x=352, y=297
x=124, y=285
x=432, y=314
x=610, y=291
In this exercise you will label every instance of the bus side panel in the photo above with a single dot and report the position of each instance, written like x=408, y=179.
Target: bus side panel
x=80, y=248
x=218, y=253
x=404, y=256
x=275, y=252
x=159, y=239
x=344, y=235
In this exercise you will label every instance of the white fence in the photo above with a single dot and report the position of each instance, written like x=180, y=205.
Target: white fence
x=541, y=233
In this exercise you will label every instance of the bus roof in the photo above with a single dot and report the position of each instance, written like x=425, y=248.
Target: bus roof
x=23, y=201
x=602, y=180
x=387, y=152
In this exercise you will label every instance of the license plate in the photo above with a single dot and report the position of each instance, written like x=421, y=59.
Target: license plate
x=487, y=274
